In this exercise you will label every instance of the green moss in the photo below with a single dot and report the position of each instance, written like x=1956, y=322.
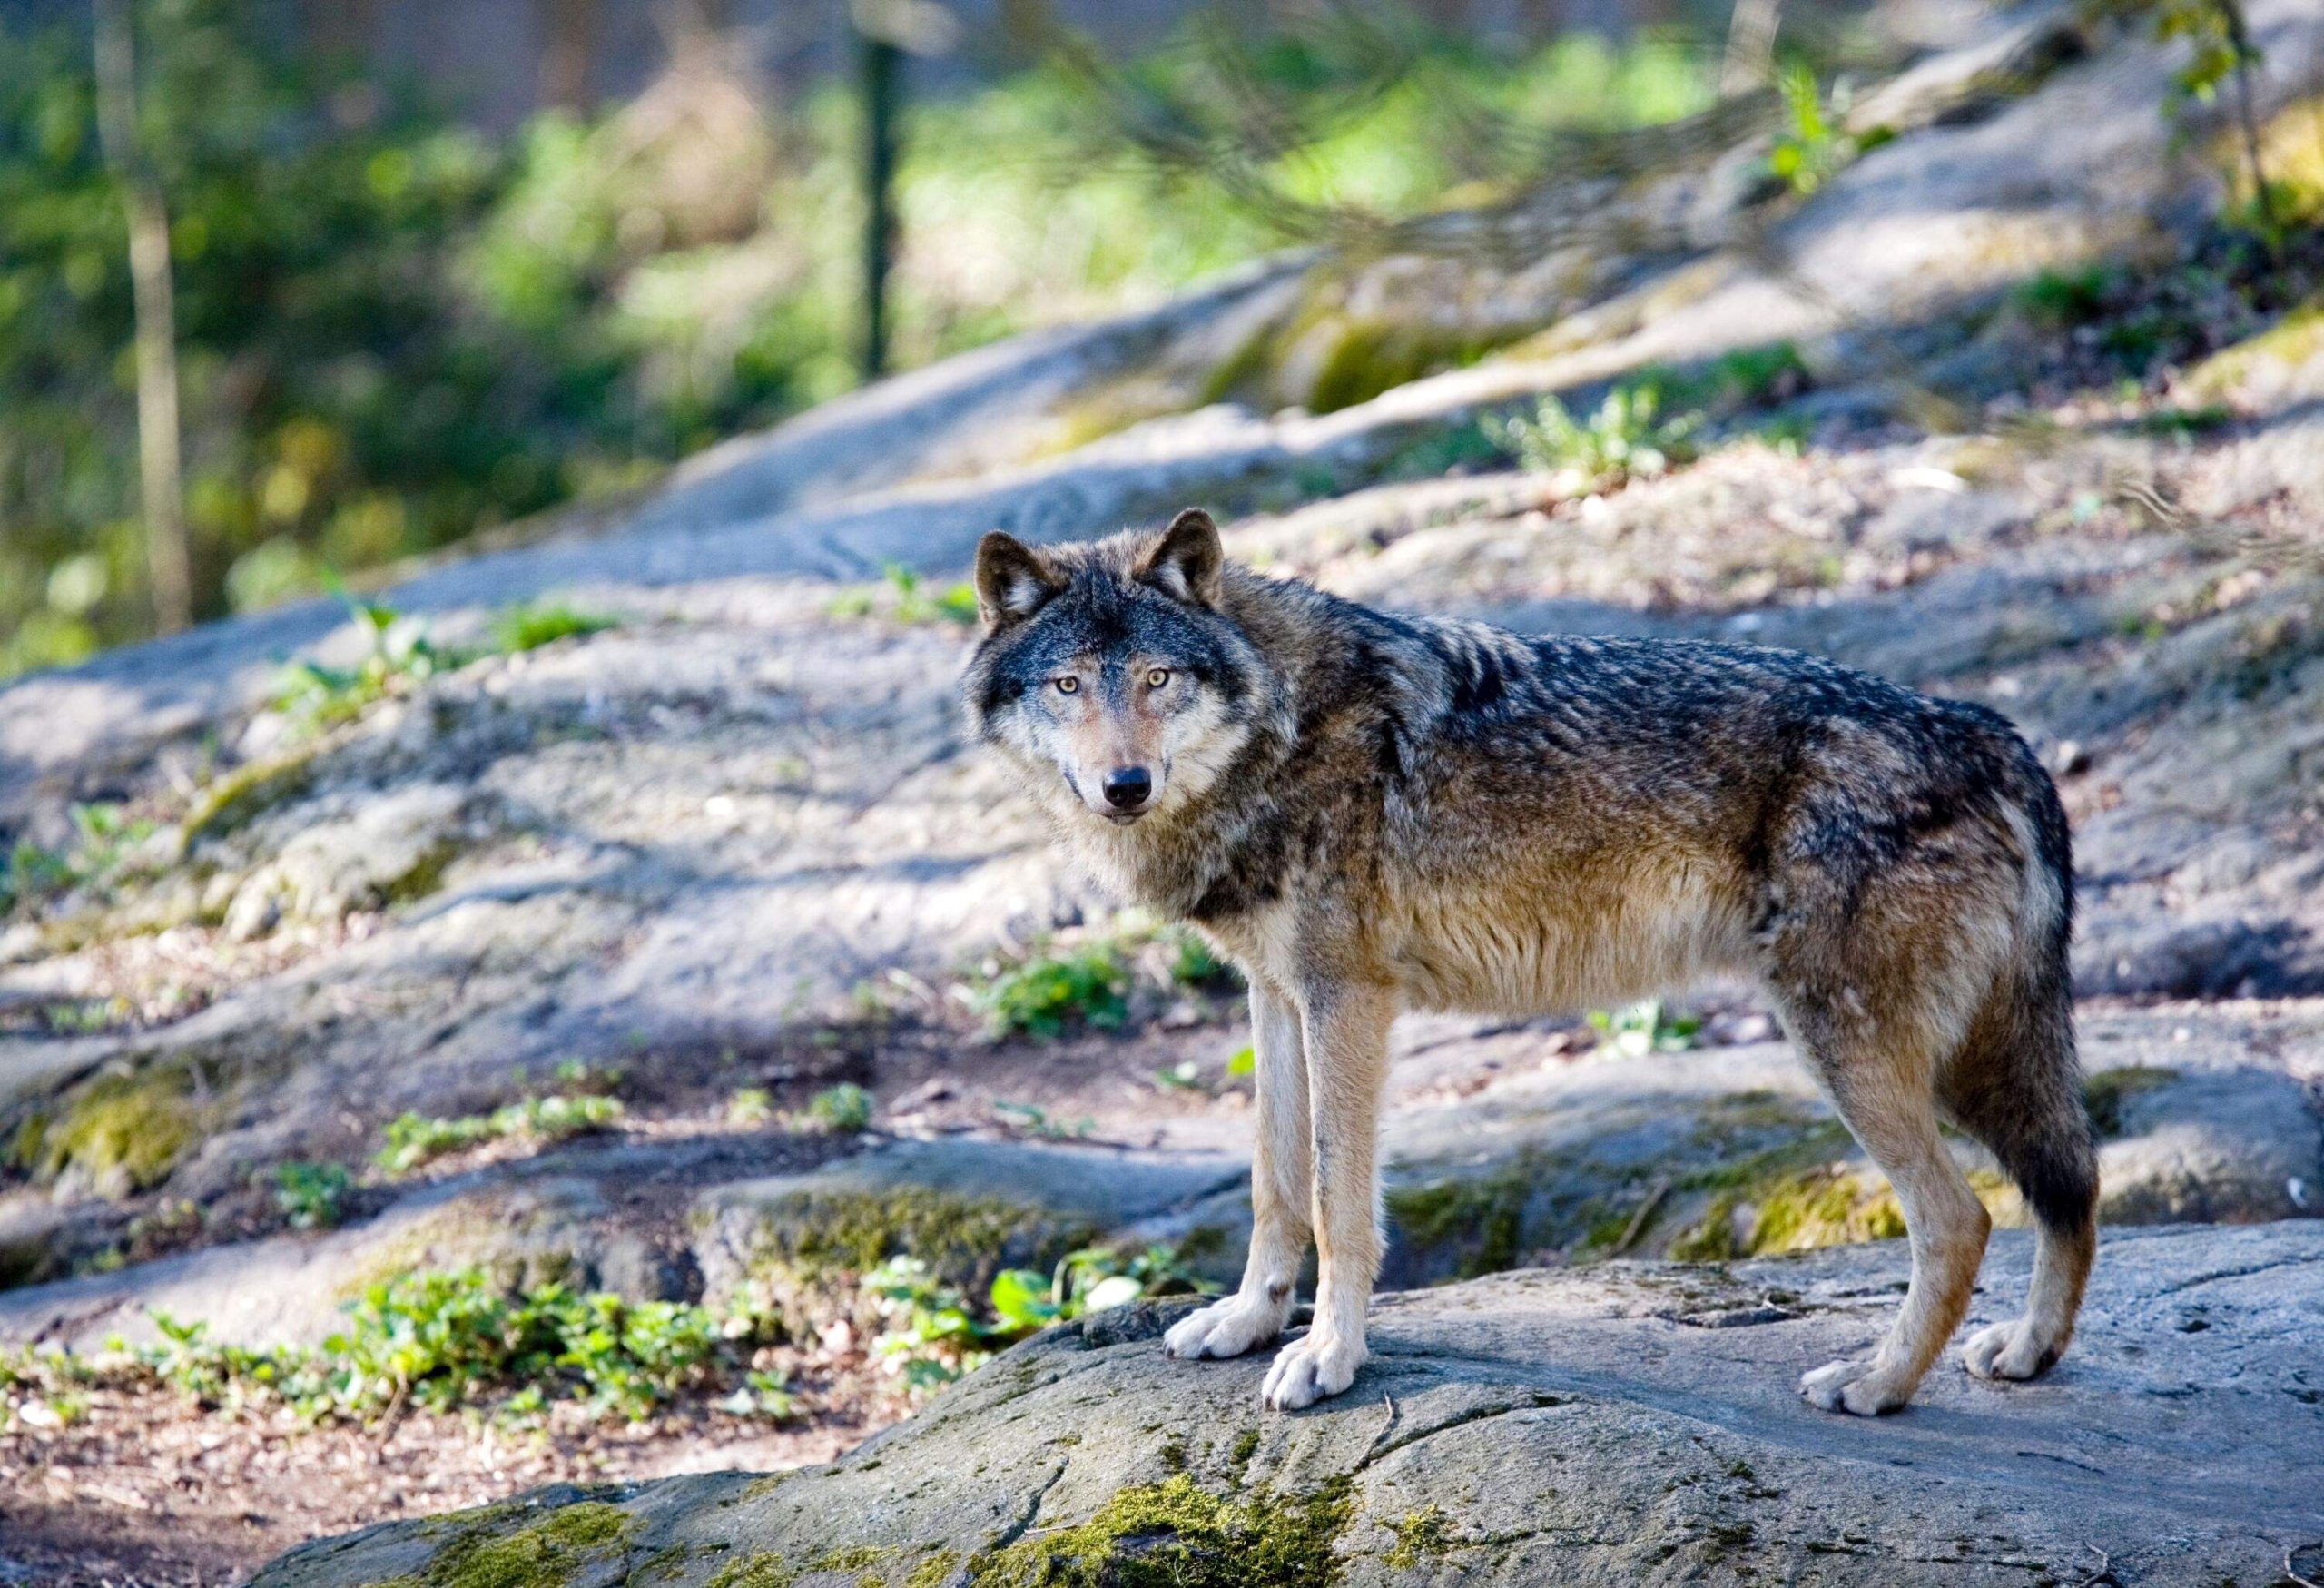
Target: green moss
x=426, y=875
x=2104, y=1093
x=126, y=1131
x=826, y=1235
x=545, y=1556
x=1819, y=1209
x=1483, y=1220
x=1817, y=1143
x=1423, y=1535
x=2291, y=343
x=228, y=801
x=1711, y=1239
x=1374, y=356
x=932, y=1572
x=1178, y=1535
x=761, y=1570
x=862, y=1559
x=1793, y=1211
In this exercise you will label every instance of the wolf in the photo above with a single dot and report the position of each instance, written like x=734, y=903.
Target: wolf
x=1370, y=812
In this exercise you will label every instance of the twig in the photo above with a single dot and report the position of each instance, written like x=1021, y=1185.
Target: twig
x=389, y=1421
x=1644, y=1216
x=2105, y=1573
x=1385, y=1428
x=2295, y=1576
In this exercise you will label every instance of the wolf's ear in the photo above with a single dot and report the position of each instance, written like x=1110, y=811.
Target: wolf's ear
x=1186, y=561
x=1013, y=581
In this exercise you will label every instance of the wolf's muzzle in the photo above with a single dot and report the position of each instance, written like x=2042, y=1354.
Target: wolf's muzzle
x=1127, y=788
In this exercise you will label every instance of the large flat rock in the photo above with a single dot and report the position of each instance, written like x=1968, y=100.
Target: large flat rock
x=1626, y=1424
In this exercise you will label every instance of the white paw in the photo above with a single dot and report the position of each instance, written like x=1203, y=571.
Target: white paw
x=2007, y=1350
x=1308, y=1370
x=1855, y=1387
x=1223, y=1328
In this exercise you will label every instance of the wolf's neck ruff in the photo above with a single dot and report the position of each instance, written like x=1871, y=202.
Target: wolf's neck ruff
x=1370, y=812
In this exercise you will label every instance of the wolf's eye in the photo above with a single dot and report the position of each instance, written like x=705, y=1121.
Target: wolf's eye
x=1157, y=677
x=1067, y=686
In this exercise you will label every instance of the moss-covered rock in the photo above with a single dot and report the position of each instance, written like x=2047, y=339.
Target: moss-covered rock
x=486, y=1553
x=1178, y=1535
x=1671, y=1448
x=123, y=1133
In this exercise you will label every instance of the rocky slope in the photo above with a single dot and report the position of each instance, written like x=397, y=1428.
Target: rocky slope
x=732, y=845
x=1631, y=1423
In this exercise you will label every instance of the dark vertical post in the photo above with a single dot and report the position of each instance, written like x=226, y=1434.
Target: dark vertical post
x=881, y=64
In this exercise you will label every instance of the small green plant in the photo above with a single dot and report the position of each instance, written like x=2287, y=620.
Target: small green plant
x=530, y=626
x=934, y=1333
x=413, y=1139
x=1751, y=377
x=2062, y=300
x=1244, y=1063
x=104, y=836
x=576, y=1075
x=1193, y=964
x=1457, y=449
x=1627, y=439
x=1810, y=148
x=927, y=1328
x=1045, y=993
x=1645, y=1028
x=447, y=1340
x=315, y=696
x=311, y=1196
x=760, y=1395
x=32, y=874
x=750, y=1107
x=2185, y=421
x=954, y=604
x=842, y=1110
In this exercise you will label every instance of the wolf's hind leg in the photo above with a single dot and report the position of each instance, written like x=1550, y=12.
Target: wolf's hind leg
x=2015, y=1087
x=1281, y=1180
x=1887, y=1106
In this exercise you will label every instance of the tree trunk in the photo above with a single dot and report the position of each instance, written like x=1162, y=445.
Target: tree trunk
x=161, y=475
x=571, y=47
x=879, y=64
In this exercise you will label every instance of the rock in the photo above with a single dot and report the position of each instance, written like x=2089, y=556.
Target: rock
x=1644, y=1153
x=605, y=1216
x=967, y=1208
x=2230, y=1147
x=1618, y=1425
x=391, y=845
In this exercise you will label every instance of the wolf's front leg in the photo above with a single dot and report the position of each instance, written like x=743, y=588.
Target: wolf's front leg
x=1345, y=1028
x=1280, y=1179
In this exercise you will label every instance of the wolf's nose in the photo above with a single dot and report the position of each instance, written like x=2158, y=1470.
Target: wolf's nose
x=1127, y=786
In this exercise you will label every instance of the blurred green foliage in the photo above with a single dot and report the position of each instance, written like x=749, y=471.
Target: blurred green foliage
x=393, y=331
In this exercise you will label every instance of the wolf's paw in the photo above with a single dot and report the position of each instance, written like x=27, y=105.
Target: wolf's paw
x=2014, y=1349
x=1223, y=1328
x=1857, y=1387
x=1308, y=1370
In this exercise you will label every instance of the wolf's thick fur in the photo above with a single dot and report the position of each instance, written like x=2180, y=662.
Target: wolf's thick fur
x=1372, y=813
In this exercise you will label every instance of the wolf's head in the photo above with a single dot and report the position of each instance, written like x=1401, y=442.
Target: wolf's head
x=1110, y=673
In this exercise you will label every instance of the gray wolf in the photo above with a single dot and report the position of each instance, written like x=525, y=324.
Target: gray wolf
x=1370, y=812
